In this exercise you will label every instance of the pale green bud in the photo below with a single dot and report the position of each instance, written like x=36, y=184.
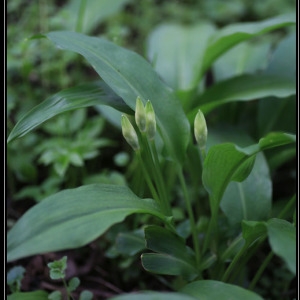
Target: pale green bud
x=129, y=133
x=200, y=129
x=140, y=115
x=151, y=121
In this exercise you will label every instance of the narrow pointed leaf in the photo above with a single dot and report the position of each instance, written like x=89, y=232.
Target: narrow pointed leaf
x=72, y=218
x=244, y=87
x=160, y=263
x=212, y=290
x=233, y=34
x=130, y=75
x=85, y=95
x=173, y=257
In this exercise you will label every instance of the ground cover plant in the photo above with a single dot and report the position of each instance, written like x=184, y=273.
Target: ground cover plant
x=206, y=120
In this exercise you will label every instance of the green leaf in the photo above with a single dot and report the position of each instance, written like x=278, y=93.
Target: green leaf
x=280, y=112
x=245, y=87
x=173, y=258
x=57, y=268
x=130, y=243
x=177, y=52
x=282, y=239
x=36, y=295
x=149, y=295
x=72, y=218
x=282, y=64
x=73, y=284
x=14, y=278
x=253, y=230
x=86, y=295
x=250, y=199
x=244, y=58
x=212, y=290
x=166, y=264
x=55, y=295
x=129, y=75
x=231, y=35
x=95, y=12
x=223, y=163
x=73, y=98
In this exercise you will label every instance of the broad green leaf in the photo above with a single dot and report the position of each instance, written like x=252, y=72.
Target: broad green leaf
x=212, y=290
x=232, y=34
x=177, y=52
x=282, y=238
x=244, y=58
x=253, y=230
x=130, y=75
x=162, y=240
x=281, y=63
x=173, y=257
x=72, y=218
x=166, y=264
x=250, y=199
x=245, y=87
x=130, y=243
x=73, y=98
x=36, y=295
x=150, y=295
x=223, y=163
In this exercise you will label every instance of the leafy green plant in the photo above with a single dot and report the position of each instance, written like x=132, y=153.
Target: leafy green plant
x=56, y=272
x=220, y=184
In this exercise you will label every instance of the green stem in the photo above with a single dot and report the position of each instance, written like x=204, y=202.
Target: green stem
x=66, y=287
x=147, y=178
x=160, y=180
x=249, y=253
x=233, y=263
x=287, y=207
x=79, y=24
x=261, y=270
x=211, y=231
x=191, y=216
x=154, y=168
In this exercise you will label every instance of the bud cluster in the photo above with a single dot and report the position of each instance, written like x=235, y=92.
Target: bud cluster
x=145, y=121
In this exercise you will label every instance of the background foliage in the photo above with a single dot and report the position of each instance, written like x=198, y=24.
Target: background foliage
x=86, y=146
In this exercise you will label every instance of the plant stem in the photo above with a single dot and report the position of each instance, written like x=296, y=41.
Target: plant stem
x=233, y=263
x=287, y=207
x=147, y=178
x=160, y=180
x=261, y=270
x=211, y=231
x=191, y=216
x=79, y=24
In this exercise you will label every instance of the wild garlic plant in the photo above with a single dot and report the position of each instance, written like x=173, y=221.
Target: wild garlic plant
x=210, y=194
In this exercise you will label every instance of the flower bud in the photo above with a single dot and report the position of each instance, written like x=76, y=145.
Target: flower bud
x=151, y=122
x=200, y=130
x=129, y=133
x=140, y=115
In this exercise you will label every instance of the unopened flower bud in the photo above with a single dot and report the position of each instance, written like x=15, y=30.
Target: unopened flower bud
x=140, y=115
x=129, y=133
x=200, y=130
x=151, y=122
